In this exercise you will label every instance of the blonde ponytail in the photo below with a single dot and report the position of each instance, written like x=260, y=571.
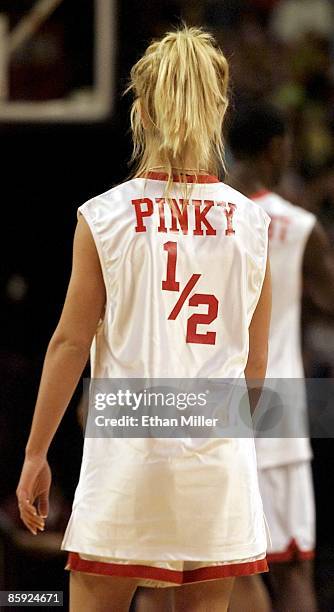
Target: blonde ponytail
x=180, y=88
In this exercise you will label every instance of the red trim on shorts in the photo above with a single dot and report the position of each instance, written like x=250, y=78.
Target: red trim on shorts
x=259, y=194
x=190, y=178
x=291, y=553
x=74, y=562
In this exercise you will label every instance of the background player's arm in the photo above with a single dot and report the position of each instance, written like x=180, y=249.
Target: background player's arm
x=255, y=370
x=68, y=350
x=318, y=271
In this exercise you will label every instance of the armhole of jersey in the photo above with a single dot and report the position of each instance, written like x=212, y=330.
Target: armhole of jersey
x=309, y=225
x=267, y=221
x=83, y=210
x=309, y=229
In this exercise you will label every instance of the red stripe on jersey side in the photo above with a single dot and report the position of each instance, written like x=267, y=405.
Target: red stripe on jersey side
x=75, y=563
x=190, y=178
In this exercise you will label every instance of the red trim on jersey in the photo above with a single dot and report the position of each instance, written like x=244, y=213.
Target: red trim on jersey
x=260, y=194
x=190, y=178
x=291, y=553
x=74, y=562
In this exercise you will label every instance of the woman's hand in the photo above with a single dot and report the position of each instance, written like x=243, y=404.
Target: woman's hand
x=33, y=490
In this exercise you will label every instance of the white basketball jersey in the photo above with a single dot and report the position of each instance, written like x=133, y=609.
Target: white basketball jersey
x=289, y=231
x=182, y=284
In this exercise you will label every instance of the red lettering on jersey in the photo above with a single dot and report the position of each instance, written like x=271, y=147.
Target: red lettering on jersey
x=162, y=225
x=200, y=217
x=180, y=215
x=140, y=213
x=278, y=227
x=229, y=217
x=171, y=284
x=193, y=336
x=229, y=209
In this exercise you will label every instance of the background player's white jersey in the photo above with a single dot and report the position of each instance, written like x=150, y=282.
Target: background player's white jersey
x=288, y=234
x=182, y=286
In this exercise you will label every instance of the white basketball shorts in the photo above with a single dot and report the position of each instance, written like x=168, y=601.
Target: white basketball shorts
x=288, y=502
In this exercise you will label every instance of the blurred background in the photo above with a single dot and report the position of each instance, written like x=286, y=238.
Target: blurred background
x=64, y=137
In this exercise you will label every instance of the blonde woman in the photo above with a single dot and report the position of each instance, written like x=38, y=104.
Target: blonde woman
x=169, y=279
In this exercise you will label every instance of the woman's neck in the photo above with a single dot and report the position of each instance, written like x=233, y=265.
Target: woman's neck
x=188, y=165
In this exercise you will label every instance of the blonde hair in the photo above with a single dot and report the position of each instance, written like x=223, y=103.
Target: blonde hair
x=180, y=88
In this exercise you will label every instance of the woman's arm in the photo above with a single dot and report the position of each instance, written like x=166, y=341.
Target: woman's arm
x=64, y=362
x=258, y=342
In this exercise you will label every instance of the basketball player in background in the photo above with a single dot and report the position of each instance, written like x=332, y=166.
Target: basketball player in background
x=299, y=251
x=170, y=279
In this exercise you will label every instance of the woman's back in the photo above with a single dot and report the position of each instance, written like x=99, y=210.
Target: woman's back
x=182, y=278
